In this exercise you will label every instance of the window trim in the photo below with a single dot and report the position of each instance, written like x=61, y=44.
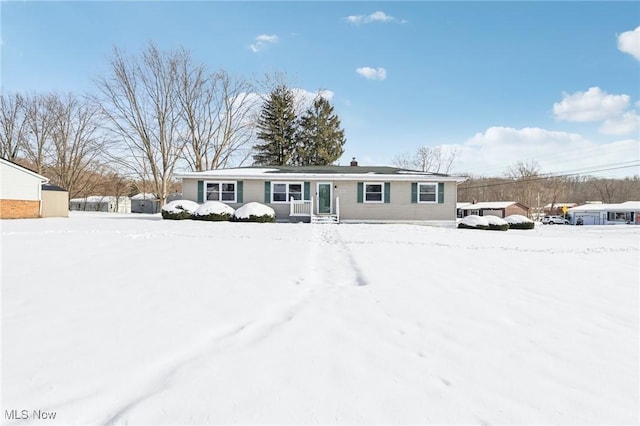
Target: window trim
x=433, y=184
x=364, y=193
x=220, y=183
x=288, y=196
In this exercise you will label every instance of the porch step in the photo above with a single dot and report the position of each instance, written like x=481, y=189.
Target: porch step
x=325, y=218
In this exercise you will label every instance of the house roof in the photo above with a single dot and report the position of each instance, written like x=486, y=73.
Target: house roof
x=23, y=169
x=52, y=187
x=144, y=196
x=99, y=199
x=488, y=205
x=626, y=206
x=323, y=172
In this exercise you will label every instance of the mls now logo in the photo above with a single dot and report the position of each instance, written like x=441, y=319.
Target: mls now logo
x=27, y=414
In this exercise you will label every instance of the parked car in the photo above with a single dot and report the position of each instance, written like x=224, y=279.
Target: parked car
x=554, y=220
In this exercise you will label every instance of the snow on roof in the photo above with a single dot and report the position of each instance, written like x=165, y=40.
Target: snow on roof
x=487, y=205
x=626, y=206
x=99, y=199
x=324, y=172
x=144, y=196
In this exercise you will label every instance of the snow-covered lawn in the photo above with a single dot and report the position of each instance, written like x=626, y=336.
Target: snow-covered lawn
x=130, y=319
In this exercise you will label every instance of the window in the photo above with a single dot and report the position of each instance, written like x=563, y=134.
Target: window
x=284, y=192
x=221, y=191
x=427, y=193
x=373, y=193
x=619, y=217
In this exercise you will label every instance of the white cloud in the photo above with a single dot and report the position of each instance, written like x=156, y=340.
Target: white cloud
x=306, y=97
x=625, y=124
x=262, y=41
x=629, y=42
x=372, y=73
x=592, y=105
x=378, y=16
x=490, y=153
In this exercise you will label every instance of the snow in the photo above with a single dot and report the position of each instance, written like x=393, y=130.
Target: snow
x=214, y=207
x=254, y=209
x=517, y=218
x=228, y=323
x=178, y=206
x=144, y=196
x=495, y=220
x=99, y=199
x=485, y=205
x=475, y=220
x=626, y=206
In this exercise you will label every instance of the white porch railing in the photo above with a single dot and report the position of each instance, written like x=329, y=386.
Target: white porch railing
x=307, y=208
x=300, y=207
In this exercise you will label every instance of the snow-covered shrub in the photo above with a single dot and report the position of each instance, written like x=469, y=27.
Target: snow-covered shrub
x=474, y=222
x=179, y=209
x=497, y=223
x=517, y=221
x=255, y=212
x=214, y=211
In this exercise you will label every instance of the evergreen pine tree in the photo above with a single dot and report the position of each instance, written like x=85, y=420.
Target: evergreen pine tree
x=277, y=128
x=320, y=140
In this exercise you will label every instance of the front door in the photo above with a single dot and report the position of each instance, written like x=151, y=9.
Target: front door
x=324, y=198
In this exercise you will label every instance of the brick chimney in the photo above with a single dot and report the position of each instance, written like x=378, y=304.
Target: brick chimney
x=354, y=162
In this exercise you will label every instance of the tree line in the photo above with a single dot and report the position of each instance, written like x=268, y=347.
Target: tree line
x=159, y=110
x=526, y=184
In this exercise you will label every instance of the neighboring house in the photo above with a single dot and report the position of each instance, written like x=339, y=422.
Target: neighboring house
x=606, y=214
x=145, y=202
x=331, y=193
x=20, y=191
x=492, y=208
x=101, y=203
x=55, y=201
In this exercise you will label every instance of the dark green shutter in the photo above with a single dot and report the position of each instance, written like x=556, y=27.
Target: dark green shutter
x=200, y=191
x=414, y=192
x=360, y=191
x=239, y=191
x=267, y=192
x=387, y=192
x=306, y=194
x=440, y=192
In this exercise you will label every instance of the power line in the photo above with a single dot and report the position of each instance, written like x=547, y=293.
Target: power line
x=550, y=176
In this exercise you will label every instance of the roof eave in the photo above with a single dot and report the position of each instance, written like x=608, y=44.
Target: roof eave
x=324, y=176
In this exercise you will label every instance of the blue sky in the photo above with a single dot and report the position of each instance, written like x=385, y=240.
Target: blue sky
x=557, y=83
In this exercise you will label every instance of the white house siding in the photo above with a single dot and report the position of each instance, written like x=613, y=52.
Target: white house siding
x=18, y=184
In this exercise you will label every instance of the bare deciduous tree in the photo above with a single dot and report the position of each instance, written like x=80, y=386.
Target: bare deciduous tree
x=434, y=159
x=39, y=118
x=139, y=99
x=76, y=145
x=526, y=186
x=218, y=110
x=13, y=125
